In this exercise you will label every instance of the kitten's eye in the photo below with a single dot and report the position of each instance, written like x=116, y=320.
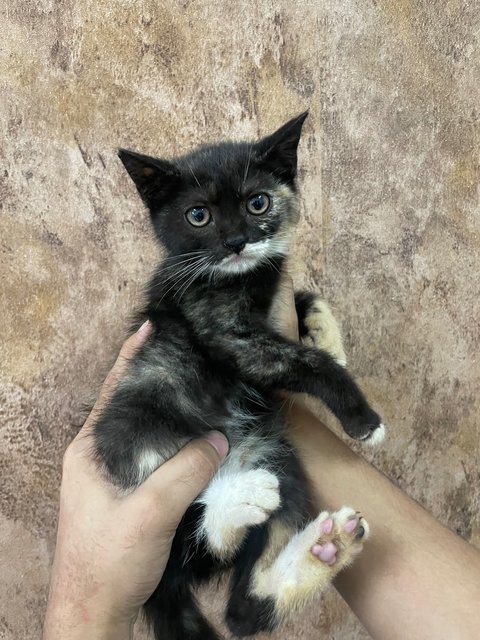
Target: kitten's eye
x=258, y=204
x=198, y=216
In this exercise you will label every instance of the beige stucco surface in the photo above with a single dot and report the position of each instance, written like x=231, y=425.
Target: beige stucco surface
x=390, y=168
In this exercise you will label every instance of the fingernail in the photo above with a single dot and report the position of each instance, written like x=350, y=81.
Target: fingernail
x=218, y=442
x=145, y=329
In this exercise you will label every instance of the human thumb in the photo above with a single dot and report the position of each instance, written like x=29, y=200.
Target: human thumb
x=181, y=479
x=283, y=315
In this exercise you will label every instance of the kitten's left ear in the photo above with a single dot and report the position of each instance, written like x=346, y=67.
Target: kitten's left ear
x=278, y=151
x=153, y=177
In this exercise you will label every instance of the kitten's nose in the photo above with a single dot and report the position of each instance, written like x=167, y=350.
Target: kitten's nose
x=235, y=243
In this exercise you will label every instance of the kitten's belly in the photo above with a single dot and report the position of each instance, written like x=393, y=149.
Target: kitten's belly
x=176, y=394
x=254, y=426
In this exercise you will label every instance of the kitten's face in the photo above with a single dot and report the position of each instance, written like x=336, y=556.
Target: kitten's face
x=226, y=208
x=230, y=213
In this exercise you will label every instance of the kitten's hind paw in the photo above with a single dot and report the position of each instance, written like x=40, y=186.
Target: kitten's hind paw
x=340, y=537
x=310, y=561
x=302, y=569
x=234, y=502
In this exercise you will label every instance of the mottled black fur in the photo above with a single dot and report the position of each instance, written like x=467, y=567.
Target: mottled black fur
x=304, y=301
x=213, y=361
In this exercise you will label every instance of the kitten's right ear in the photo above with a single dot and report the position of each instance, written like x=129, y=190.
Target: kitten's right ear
x=278, y=151
x=152, y=177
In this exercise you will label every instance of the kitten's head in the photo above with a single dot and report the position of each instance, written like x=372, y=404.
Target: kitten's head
x=224, y=208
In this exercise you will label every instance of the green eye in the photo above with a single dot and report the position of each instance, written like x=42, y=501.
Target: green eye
x=198, y=216
x=258, y=204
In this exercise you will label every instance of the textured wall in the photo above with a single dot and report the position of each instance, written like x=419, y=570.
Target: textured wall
x=390, y=171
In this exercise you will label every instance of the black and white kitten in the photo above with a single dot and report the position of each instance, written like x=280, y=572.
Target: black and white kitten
x=224, y=214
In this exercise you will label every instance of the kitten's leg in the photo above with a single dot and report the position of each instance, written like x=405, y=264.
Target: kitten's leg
x=250, y=613
x=317, y=325
x=247, y=613
x=173, y=613
x=266, y=359
x=233, y=502
x=309, y=562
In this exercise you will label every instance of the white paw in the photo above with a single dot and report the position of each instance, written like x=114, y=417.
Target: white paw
x=377, y=436
x=235, y=501
x=311, y=559
x=254, y=496
x=323, y=331
x=331, y=541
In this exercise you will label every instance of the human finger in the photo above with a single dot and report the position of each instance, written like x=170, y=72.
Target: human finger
x=176, y=484
x=128, y=350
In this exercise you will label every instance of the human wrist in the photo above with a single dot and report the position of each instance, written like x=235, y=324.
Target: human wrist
x=65, y=630
x=64, y=627
x=66, y=620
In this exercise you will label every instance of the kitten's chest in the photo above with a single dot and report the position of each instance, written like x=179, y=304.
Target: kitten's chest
x=262, y=294
x=251, y=451
x=254, y=425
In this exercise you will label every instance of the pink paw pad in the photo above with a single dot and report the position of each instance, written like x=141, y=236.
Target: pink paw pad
x=351, y=525
x=326, y=552
x=327, y=526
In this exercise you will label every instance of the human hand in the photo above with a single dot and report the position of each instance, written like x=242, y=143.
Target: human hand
x=283, y=314
x=112, y=547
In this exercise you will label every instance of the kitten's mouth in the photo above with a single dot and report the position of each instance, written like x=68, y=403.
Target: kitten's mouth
x=251, y=256
x=239, y=258
x=238, y=262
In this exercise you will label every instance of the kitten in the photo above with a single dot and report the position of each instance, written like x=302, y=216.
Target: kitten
x=225, y=214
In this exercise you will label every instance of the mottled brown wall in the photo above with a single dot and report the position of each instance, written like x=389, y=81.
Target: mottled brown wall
x=390, y=171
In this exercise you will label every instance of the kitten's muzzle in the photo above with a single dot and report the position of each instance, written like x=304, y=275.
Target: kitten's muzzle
x=235, y=242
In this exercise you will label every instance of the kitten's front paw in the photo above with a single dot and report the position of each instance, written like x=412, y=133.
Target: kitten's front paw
x=366, y=426
x=317, y=325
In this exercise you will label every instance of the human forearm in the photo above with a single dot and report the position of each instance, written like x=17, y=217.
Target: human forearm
x=414, y=579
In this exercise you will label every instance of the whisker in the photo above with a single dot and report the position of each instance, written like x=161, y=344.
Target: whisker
x=202, y=269
x=188, y=264
x=191, y=276
x=183, y=264
x=179, y=279
x=247, y=166
x=178, y=265
x=272, y=264
x=193, y=174
x=183, y=255
x=177, y=275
